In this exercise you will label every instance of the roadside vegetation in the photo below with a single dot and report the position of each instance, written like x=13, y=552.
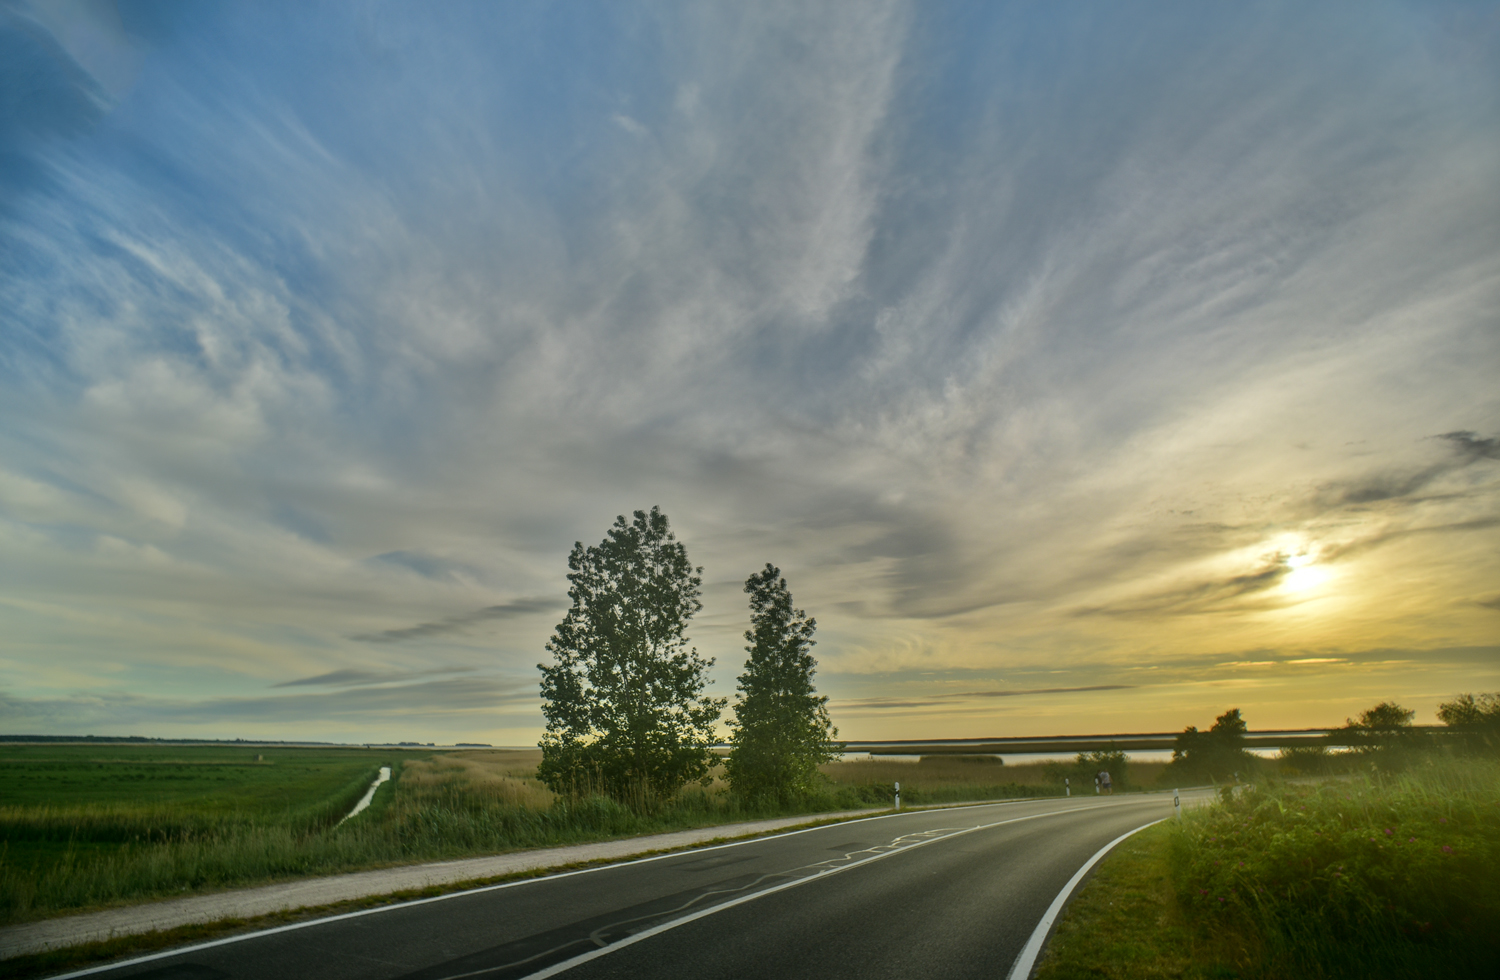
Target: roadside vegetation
x=1389, y=867
x=84, y=833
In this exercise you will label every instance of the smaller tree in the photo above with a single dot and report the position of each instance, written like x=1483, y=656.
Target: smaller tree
x=1216, y=754
x=781, y=731
x=1476, y=720
x=1383, y=727
x=1089, y=764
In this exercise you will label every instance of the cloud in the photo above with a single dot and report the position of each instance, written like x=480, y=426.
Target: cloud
x=963, y=339
x=428, y=566
x=50, y=99
x=462, y=623
x=1387, y=535
x=1215, y=595
x=1467, y=450
x=1473, y=447
x=949, y=698
x=453, y=708
x=354, y=677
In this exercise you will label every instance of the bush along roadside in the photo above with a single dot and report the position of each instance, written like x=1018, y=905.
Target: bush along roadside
x=1388, y=876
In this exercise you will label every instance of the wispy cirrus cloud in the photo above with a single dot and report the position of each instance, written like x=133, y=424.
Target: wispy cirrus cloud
x=463, y=622
x=329, y=333
x=854, y=705
x=355, y=677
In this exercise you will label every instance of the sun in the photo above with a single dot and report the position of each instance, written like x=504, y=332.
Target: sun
x=1304, y=575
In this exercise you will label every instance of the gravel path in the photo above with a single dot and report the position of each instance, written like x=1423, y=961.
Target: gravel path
x=36, y=937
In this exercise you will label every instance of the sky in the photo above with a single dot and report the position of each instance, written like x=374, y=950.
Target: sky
x=1090, y=367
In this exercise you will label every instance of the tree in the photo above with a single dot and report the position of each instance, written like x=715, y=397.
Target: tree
x=624, y=702
x=781, y=729
x=1216, y=754
x=1383, y=727
x=1476, y=720
x=1385, y=716
x=1089, y=764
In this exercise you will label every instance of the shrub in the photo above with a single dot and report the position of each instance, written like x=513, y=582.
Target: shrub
x=1369, y=876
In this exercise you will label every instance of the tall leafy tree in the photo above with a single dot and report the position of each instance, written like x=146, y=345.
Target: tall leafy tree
x=781, y=729
x=624, y=698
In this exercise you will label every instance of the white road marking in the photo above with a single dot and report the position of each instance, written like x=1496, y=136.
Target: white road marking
x=292, y=927
x=886, y=852
x=1021, y=968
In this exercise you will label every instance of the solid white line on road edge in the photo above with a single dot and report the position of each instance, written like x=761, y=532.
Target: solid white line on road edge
x=582, y=958
x=1021, y=968
x=294, y=926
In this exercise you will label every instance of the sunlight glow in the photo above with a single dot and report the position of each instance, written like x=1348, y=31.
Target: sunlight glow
x=1304, y=575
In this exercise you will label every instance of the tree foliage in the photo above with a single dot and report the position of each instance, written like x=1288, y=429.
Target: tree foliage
x=1216, y=754
x=1475, y=719
x=1113, y=761
x=1468, y=711
x=781, y=729
x=1382, y=734
x=624, y=700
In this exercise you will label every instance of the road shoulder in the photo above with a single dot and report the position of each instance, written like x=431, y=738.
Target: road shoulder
x=1124, y=923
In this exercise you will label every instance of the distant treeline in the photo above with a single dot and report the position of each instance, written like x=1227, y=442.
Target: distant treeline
x=158, y=741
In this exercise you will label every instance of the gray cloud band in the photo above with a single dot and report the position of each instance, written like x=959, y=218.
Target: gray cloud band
x=938, y=699
x=459, y=624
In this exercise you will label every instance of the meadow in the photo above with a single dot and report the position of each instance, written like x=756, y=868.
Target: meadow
x=81, y=825
x=99, y=825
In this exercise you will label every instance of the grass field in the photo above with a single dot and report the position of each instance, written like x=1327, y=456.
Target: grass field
x=1393, y=876
x=91, y=826
x=956, y=779
x=87, y=824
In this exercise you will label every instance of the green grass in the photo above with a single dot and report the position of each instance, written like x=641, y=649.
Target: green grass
x=1125, y=924
x=94, y=826
x=244, y=782
x=1391, y=876
x=117, y=841
x=957, y=779
x=88, y=825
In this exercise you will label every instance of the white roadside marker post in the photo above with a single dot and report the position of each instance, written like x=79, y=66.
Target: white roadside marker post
x=1067, y=787
x=898, y=796
x=1176, y=804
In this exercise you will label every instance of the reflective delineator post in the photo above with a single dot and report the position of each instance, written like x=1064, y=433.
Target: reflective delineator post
x=898, y=796
x=1176, y=804
x=1067, y=787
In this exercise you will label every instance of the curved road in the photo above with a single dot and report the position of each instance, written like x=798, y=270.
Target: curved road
x=941, y=893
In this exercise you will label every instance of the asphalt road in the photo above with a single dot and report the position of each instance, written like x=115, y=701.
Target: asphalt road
x=937, y=893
